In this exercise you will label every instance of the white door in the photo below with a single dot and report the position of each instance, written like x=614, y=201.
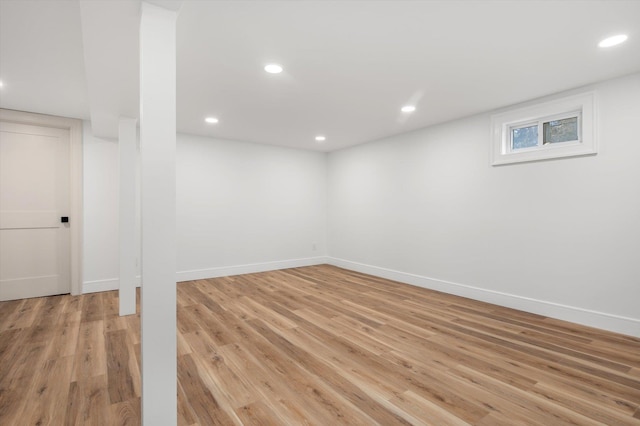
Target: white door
x=34, y=196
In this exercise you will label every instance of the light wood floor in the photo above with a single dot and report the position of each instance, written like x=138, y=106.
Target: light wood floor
x=317, y=345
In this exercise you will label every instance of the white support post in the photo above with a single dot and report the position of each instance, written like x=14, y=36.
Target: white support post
x=158, y=213
x=128, y=156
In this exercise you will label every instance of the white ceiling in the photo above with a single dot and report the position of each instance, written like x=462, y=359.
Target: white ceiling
x=349, y=65
x=41, y=63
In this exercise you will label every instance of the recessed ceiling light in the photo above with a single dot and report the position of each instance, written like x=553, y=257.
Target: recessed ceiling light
x=273, y=68
x=321, y=138
x=211, y=120
x=1, y=83
x=408, y=108
x=612, y=41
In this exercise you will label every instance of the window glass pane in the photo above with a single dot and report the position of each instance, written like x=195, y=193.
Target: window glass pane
x=524, y=137
x=561, y=130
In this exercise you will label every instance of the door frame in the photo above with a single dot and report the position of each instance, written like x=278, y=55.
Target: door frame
x=74, y=127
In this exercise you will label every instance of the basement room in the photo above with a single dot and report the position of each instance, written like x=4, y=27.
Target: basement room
x=351, y=212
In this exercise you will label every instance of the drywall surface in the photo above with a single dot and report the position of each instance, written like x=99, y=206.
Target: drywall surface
x=560, y=237
x=244, y=207
x=100, y=211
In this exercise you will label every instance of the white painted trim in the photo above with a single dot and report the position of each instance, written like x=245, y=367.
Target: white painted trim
x=158, y=341
x=602, y=320
x=75, y=191
x=127, y=223
x=104, y=285
x=201, y=274
x=225, y=271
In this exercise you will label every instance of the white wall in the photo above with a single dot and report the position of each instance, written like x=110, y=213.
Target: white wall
x=560, y=238
x=100, y=204
x=245, y=207
x=242, y=207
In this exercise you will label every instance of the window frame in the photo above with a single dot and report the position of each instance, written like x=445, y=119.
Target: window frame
x=582, y=106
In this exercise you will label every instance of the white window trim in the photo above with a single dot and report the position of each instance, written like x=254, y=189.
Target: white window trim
x=583, y=105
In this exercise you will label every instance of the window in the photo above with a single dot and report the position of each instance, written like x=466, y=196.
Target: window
x=560, y=128
x=537, y=134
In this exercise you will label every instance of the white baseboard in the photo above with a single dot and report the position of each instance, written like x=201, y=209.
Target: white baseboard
x=201, y=274
x=103, y=285
x=605, y=321
x=225, y=271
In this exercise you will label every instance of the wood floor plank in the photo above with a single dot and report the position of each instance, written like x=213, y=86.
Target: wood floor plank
x=329, y=406
x=126, y=413
x=18, y=378
x=65, y=336
x=93, y=309
x=91, y=357
x=74, y=405
x=216, y=373
x=257, y=413
x=47, y=397
x=50, y=310
x=74, y=303
x=517, y=404
x=217, y=331
x=365, y=359
x=134, y=365
x=9, y=339
x=8, y=310
x=111, y=306
x=121, y=387
x=205, y=406
x=572, y=401
x=23, y=315
x=421, y=408
x=511, y=367
x=358, y=373
x=275, y=393
x=89, y=402
x=317, y=345
x=186, y=416
x=348, y=390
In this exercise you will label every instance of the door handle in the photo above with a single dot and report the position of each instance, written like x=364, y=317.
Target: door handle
x=64, y=219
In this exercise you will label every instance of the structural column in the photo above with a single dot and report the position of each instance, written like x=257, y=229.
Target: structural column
x=128, y=157
x=158, y=214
